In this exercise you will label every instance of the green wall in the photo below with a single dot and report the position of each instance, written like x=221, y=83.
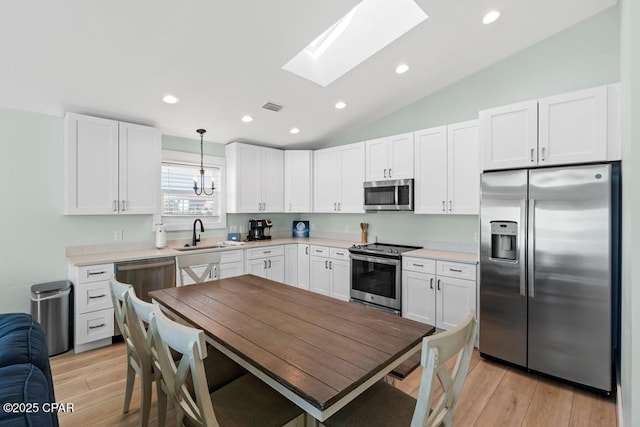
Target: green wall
x=31, y=165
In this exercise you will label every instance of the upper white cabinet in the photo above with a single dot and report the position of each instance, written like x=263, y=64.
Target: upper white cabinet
x=255, y=178
x=297, y=180
x=577, y=127
x=447, y=169
x=338, y=177
x=110, y=167
x=389, y=158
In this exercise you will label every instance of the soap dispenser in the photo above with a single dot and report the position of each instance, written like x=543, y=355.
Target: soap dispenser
x=161, y=236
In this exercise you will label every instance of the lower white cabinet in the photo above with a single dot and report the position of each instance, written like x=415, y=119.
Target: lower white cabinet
x=93, y=313
x=303, y=265
x=330, y=271
x=291, y=264
x=231, y=263
x=267, y=262
x=439, y=293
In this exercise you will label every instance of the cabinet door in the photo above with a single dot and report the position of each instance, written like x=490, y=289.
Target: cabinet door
x=376, y=159
x=257, y=267
x=325, y=180
x=319, y=275
x=455, y=298
x=350, y=189
x=340, y=279
x=297, y=180
x=573, y=127
x=272, y=181
x=463, y=181
x=303, y=266
x=401, y=156
x=91, y=165
x=509, y=136
x=291, y=265
x=139, y=169
x=243, y=178
x=275, y=268
x=430, y=185
x=419, y=297
x=231, y=269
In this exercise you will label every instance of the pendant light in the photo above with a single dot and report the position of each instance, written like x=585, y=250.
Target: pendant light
x=200, y=191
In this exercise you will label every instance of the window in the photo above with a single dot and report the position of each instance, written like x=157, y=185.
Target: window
x=180, y=205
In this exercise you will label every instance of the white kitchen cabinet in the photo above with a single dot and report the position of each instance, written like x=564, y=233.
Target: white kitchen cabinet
x=291, y=264
x=330, y=271
x=389, y=158
x=303, y=265
x=338, y=178
x=297, y=180
x=255, y=179
x=111, y=167
x=267, y=262
x=93, y=312
x=231, y=263
x=576, y=127
x=447, y=169
x=439, y=293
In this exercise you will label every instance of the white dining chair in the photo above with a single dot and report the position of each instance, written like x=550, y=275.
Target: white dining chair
x=246, y=401
x=135, y=357
x=210, y=261
x=384, y=405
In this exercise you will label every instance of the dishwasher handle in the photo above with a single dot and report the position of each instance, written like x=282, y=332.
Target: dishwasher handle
x=141, y=265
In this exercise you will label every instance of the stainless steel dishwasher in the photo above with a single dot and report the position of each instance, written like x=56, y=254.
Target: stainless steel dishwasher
x=147, y=275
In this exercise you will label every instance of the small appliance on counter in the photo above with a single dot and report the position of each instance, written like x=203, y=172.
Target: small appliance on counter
x=300, y=229
x=257, y=228
x=161, y=236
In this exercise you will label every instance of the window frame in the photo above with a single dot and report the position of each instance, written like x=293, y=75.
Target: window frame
x=193, y=159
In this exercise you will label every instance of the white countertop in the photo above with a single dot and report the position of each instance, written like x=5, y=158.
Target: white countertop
x=101, y=254
x=443, y=255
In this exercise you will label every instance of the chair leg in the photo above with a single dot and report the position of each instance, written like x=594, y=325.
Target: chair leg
x=162, y=404
x=131, y=378
x=145, y=402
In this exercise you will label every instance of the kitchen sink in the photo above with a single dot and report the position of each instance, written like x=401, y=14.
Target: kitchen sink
x=212, y=246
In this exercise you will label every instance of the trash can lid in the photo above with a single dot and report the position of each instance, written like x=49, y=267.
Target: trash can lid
x=42, y=289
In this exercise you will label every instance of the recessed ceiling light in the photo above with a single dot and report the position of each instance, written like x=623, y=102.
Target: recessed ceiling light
x=247, y=119
x=294, y=130
x=402, y=68
x=491, y=17
x=170, y=99
x=340, y=105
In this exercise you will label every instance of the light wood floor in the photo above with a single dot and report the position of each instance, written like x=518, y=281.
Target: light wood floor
x=493, y=395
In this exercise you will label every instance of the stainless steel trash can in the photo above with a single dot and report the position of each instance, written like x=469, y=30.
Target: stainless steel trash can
x=50, y=307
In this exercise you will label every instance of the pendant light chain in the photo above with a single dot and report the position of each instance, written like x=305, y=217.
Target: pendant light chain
x=200, y=191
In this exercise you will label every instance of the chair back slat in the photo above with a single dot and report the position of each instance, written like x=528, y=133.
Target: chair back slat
x=185, y=263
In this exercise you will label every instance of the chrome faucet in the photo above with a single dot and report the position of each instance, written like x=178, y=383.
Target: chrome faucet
x=195, y=239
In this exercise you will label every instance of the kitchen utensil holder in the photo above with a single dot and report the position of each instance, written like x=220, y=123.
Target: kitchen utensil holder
x=363, y=237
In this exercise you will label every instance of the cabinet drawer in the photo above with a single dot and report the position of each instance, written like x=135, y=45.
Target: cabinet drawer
x=320, y=251
x=457, y=269
x=264, y=252
x=93, y=297
x=231, y=256
x=419, y=265
x=94, y=326
x=339, y=253
x=95, y=273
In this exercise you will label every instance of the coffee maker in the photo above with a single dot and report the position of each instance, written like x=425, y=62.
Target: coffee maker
x=259, y=229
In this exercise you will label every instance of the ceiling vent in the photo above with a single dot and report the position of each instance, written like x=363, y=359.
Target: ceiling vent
x=272, y=107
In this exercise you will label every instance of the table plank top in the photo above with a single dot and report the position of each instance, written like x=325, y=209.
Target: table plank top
x=316, y=346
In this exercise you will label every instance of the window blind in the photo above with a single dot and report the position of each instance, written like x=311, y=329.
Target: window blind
x=178, y=197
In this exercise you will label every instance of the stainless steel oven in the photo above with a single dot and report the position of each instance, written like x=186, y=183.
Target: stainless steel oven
x=376, y=275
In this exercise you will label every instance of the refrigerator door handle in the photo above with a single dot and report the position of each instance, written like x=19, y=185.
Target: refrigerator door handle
x=522, y=247
x=531, y=248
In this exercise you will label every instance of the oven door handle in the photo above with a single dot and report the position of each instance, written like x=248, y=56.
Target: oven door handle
x=379, y=260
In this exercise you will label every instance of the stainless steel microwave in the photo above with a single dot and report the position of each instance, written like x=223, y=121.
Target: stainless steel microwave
x=393, y=195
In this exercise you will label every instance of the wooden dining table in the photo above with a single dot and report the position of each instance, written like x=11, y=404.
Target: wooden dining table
x=317, y=351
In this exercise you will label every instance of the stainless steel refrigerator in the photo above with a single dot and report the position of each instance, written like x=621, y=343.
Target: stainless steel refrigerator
x=548, y=262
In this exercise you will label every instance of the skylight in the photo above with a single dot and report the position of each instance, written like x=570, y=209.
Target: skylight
x=363, y=31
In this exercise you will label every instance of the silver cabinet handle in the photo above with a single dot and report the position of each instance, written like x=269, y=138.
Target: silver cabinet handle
x=340, y=253
x=330, y=265
x=102, y=325
x=306, y=250
x=335, y=206
x=115, y=206
x=265, y=264
x=269, y=263
x=443, y=206
x=290, y=207
x=438, y=284
x=385, y=173
x=532, y=247
x=97, y=296
x=326, y=263
x=457, y=270
x=542, y=153
x=339, y=206
x=449, y=205
x=318, y=251
x=389, y=172
x=124, y=206
x=532, y=152
x=95, y=273
x=418, y=265
x=266, y=252
x=431, y=283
